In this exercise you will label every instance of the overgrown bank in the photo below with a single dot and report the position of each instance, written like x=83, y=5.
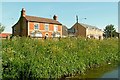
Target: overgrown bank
x=25, y=58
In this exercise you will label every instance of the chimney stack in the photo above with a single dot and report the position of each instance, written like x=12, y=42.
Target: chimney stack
x=55, y=17
x=23, y=12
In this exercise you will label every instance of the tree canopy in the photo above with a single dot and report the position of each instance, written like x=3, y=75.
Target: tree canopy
x=2, y=27
x=109, y=31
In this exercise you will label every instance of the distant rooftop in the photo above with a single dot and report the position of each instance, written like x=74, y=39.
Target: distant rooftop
x=88, y=26
x=4, y=35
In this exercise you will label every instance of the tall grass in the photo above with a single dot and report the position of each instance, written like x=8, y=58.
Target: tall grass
x=0, y=59
x=25, y=58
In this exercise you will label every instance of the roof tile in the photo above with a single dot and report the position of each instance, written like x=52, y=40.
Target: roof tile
x=43, y=20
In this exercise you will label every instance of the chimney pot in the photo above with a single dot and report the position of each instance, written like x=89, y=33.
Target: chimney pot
x=55, y=17
x=23, y=12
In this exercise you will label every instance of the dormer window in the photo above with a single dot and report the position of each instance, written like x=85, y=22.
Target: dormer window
x=36, y=26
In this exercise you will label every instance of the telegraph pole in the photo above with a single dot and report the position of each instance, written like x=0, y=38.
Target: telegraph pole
x=77, y=25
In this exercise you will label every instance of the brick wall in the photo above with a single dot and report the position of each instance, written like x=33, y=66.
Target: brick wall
x=42, y=28
x=21, y=24
x=16, y=29
x=79, y=30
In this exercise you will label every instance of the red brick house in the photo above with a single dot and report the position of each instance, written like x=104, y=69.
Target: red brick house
x=37, y=26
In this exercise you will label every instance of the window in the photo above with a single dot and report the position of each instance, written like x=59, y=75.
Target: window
x=47, y=27
x=36, y=26
x=14, y=29
x=38, y=34
x=56, y=34
x=55, y=28
x=32, y=34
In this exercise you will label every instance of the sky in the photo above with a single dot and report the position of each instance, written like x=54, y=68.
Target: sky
x=99, y=14
x=60, y=0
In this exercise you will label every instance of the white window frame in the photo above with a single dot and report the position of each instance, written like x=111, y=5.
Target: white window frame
x=36, y=24
x=39, y=34
x=55, y=28
x=47, y=26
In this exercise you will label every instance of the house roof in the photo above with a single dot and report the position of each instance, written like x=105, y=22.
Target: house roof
x=88, y=26
x=72, y=30
x=40, y=19
x=4, y=35
x=64, y=27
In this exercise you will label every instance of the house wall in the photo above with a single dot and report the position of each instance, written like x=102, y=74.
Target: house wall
x=16, y=29
x=24, y=27
x=85, y=32
x=42, y=28
x=96, y=33
x=79, y=30
x=21, y=24
x=64, y=31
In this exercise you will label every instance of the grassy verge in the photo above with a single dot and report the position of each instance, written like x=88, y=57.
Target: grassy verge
x=25, y=58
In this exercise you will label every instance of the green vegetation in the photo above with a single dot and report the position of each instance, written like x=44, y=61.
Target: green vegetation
x=25, y=58
x=0, y=59
x=2, y=27
x=110, y=31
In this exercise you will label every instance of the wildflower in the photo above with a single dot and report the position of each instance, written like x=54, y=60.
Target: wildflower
x=109, y=63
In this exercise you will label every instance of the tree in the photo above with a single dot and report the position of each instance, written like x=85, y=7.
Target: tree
x=2, y=27
x=109, y=31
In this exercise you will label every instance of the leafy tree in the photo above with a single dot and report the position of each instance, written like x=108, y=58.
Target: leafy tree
x=109, y=31
x=2, y=27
